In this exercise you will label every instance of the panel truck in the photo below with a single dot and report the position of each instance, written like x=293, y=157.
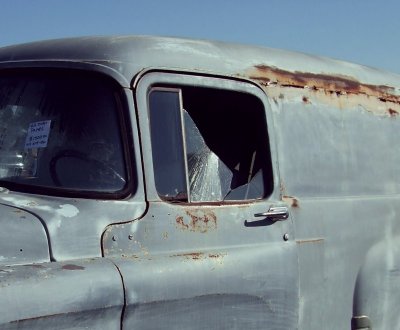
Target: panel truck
x=166, y=183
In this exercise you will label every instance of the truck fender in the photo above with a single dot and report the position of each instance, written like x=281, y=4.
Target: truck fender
x=377, y=289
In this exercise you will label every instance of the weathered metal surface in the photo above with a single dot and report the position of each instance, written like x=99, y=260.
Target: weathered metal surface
x=74, y=226
x=330, y=90
x=76, y=295
x=377, y=285
x=197, y=220
x=332, y=128
x=209, y=290
x=23, y=238
x=211, y=263
x=329, y=83
x=129, y=55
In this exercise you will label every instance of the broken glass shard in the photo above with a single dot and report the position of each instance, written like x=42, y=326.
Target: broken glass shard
x=210, y=179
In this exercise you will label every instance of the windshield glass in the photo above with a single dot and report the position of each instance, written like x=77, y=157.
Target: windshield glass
x=60, y=130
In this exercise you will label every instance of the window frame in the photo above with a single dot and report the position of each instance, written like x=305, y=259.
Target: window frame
x=175, y=80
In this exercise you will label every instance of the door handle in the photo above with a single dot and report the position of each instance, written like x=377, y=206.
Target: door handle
x=275, y=213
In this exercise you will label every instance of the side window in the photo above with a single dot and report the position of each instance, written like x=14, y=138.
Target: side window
x=61, y=130
x=209, y=145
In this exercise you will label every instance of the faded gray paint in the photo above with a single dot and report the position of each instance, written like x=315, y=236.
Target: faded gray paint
x=59, y=295
x=23, y=237
x=333, y=128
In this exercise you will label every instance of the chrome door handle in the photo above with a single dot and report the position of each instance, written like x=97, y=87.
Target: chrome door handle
x=277, y=213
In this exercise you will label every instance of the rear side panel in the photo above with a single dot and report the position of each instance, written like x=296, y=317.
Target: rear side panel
x=339, y=169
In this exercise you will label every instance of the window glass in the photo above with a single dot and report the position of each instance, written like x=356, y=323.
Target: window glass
x=60, y=130
x=167, y=144
x=220, y=145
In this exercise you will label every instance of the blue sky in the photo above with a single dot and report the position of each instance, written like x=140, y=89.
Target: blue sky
x=362, y=31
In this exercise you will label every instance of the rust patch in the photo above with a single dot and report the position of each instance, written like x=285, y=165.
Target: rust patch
x=269, y=75
x=72, y=267
x=131, y=256
x=200, y=255
x=292, y=201
x=181, y=223
x=315, y=240
x=192, y=255
x=282, y=188
x=216, y=255
x=134, y=256
x=34, y=266
x=392, y=112
x=197, y=221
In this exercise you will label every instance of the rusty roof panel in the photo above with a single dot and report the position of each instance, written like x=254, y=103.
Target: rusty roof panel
x=331, y=83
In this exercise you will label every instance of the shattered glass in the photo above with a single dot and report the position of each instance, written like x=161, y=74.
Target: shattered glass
x=210, y=179
x=199, y=161
x=252, y=190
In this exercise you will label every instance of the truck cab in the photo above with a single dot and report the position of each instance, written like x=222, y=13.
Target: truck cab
x=150, y=182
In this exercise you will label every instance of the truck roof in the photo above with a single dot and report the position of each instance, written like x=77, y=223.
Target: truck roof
x=131, y=54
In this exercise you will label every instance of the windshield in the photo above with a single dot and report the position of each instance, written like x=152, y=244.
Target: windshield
x=60, y=130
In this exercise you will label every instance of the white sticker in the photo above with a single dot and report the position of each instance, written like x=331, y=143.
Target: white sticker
x=38, y=134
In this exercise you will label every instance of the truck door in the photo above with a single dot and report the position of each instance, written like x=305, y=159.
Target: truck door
x=215, y=248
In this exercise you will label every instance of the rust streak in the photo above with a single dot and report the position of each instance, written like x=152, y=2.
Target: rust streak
x=34, y=266
x=315, y=240
x=199, y=255
x=292, y=201
x=192, y=255
x=282, y=188
x=72, y=267
x=267, y=75
x=216, y=255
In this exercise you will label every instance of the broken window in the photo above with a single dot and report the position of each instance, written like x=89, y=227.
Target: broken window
x=209, y=145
